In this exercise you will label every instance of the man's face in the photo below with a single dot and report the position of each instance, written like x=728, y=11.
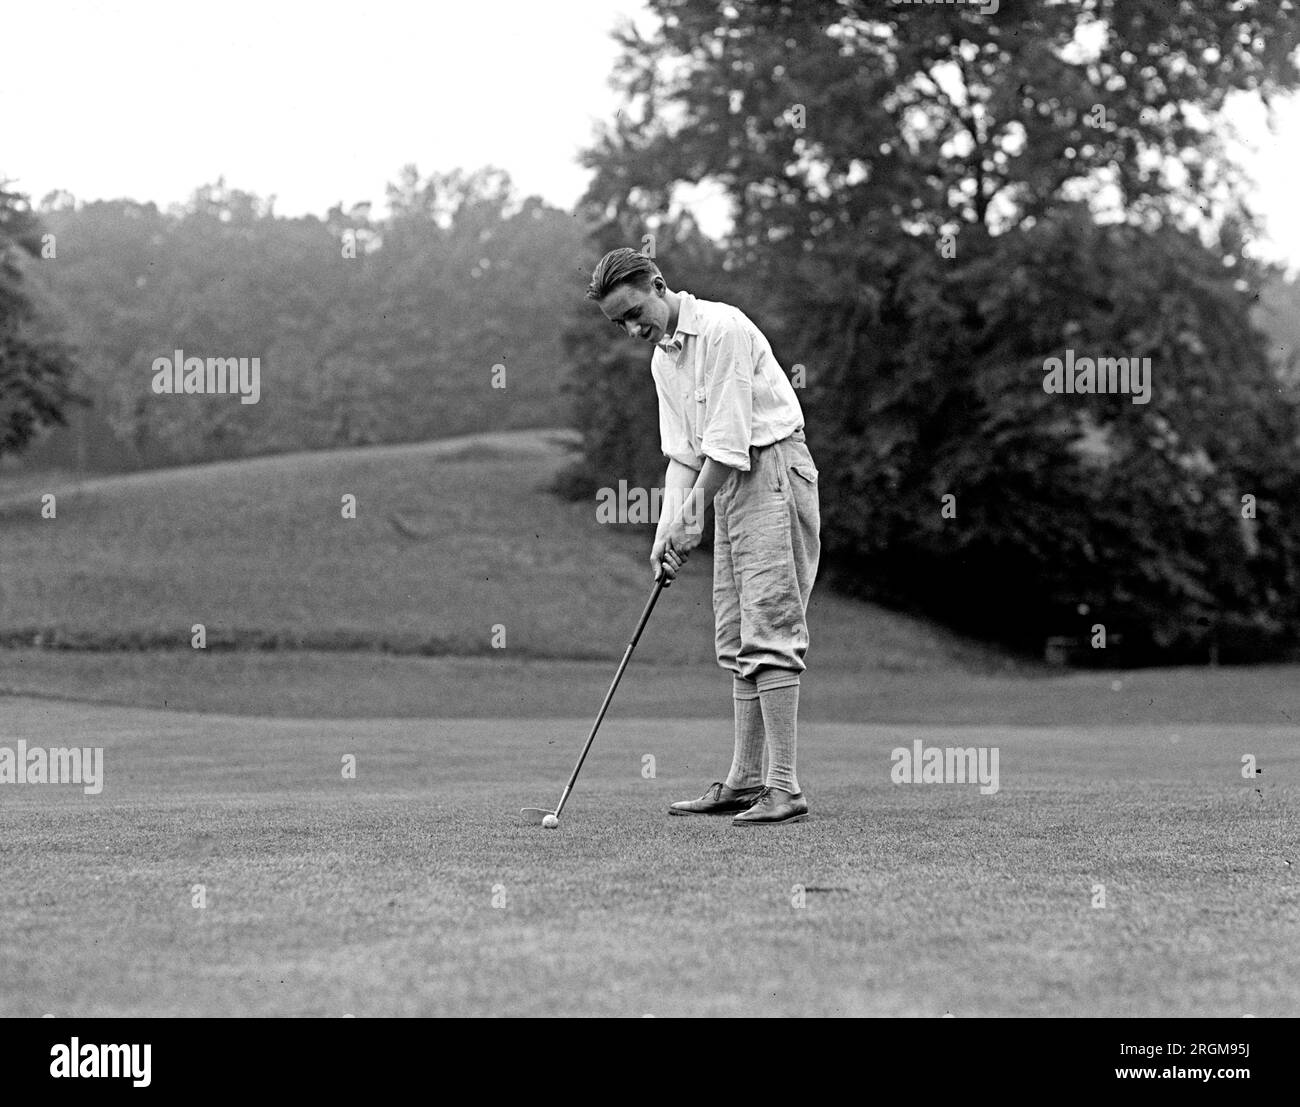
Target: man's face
x=639, y=311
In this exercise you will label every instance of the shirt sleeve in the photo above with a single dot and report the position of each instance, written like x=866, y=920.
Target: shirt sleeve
x=728, y=394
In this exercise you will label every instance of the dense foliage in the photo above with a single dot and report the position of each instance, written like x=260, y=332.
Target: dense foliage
x=35, y=370
x=928, y=204
x=366, y=330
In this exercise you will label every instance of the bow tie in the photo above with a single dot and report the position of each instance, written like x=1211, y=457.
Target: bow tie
x=670, y=345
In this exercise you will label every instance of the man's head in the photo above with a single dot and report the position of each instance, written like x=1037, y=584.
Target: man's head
x=631, y=292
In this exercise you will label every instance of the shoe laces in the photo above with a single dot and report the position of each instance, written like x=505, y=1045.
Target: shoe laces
x=764, y=797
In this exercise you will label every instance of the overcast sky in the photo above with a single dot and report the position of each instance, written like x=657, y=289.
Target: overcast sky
x=317, y=103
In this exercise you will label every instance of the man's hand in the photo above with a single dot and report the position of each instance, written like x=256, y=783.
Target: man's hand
x=674, y=546
x=689, y=495
x=666, y=561
x=685, y=533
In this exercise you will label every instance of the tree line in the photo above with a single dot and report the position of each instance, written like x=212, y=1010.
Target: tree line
x=438, y=319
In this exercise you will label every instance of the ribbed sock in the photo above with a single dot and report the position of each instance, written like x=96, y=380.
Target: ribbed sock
x=747, y=761
x=778, y=693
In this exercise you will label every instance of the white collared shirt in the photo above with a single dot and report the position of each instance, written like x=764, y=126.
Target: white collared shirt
x=721, y=391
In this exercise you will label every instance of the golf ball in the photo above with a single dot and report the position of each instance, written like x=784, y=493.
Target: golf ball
x=550, y=822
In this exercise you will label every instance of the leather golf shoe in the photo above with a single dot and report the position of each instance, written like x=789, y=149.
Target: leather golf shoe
x=718, y=800
x=773, y=806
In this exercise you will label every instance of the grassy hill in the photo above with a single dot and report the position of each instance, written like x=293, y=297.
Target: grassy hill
x=392, y=613
x=451, y=539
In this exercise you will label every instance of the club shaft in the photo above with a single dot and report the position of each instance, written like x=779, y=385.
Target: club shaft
x=609, y=696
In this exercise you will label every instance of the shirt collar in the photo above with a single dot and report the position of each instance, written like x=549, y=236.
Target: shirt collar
x=686, y=324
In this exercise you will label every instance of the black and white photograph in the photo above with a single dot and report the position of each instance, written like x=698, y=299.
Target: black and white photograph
x=651, y=509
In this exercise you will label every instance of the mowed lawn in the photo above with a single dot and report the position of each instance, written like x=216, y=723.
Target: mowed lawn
x=414, y=889
x=375, y=896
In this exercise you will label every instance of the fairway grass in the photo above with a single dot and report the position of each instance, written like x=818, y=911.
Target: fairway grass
x=375, y=896
x=414, y=889
x=291, y=684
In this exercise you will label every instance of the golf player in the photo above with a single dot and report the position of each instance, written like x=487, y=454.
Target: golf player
x=731, y=427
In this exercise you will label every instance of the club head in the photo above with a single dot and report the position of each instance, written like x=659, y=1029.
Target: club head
x=534, y=815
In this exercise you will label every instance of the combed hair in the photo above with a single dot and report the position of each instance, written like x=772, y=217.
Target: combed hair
x=620, y=267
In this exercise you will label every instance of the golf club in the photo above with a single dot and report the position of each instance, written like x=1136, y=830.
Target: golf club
x=538, y=815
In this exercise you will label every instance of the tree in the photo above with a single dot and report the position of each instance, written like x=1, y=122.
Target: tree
x=929, y=203
x=35, y=372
